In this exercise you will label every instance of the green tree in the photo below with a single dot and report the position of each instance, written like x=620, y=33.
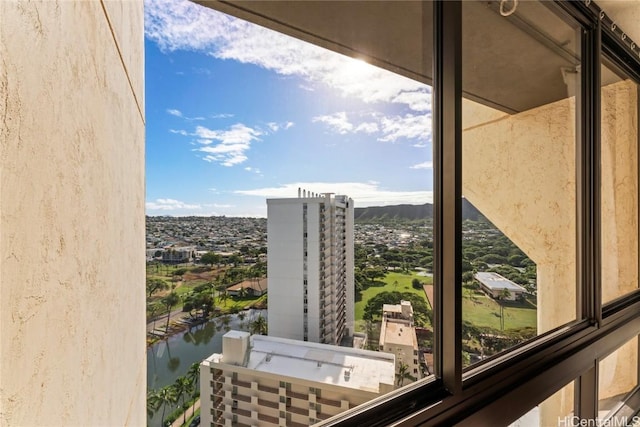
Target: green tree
x=193, y=374
x=152, y=402
x=403, y=374
x=163, y=397
x=155, y=285
x=421, y=311
x=182, y=386
x=223, y=296
x=416, y=283
x=210, y=258
x=259, y=326
x=243, y=292
x=154, y=309
x=169, y=301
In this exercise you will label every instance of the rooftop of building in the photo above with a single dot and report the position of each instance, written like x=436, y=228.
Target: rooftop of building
x=257, y=284
x=496, y=282
x=398, y=333
x=339, y=366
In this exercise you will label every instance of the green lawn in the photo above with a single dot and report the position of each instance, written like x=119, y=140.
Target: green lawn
x=481, y=310
x=403, y=285
x=477, y=308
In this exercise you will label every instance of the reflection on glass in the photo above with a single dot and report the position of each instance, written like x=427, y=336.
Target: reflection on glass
x=617, y=376
x=557, y=410
x=520, y=77
x=619, y=183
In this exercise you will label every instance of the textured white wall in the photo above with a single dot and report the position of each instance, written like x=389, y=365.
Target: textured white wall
x=72, y=299
x=284, y=268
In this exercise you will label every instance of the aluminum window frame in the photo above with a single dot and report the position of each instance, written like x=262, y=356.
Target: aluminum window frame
x=507, y=386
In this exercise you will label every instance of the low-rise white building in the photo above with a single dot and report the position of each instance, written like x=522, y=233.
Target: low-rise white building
x=497, y=286
x=269, y=381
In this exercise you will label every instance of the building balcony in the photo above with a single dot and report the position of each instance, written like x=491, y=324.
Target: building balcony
x=218, y=403
x=299, y=411
x=297, y=395
x=268, y=419
x=267, y=389
x=329, y=402
x=239, y=383
x=242, y=412
x=268, y=404
x=242, y=398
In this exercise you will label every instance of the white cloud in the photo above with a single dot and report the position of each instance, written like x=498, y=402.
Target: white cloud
x=179, y=132
x=417, y=101
x=222, y=116
x=180, y=24
x=363, y=193
x=252, y=169
x=337, y=122
x=409, y=126
x=232, y=144
x=423, y=165
x=178, y=113
x=390, y=128
x=238, y=133
x=367, y=127
x=279, y=126
x=170, y=205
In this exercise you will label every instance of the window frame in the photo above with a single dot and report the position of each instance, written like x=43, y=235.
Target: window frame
x=510, y=384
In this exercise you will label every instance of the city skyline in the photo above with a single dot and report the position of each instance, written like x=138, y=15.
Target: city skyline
x=237, y=114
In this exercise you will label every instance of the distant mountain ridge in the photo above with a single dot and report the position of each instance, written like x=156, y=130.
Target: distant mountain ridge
x=409, y=212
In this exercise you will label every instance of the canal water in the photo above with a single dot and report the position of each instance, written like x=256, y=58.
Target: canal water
x=170, y=359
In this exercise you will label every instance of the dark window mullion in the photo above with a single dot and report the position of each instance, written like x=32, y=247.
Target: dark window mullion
x=586, y=394
x=447, y=142
x=589, y=238
x=589, y=178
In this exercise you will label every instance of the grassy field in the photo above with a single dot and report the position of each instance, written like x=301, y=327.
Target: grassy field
x=477, y=308
x=481, y=310
x=399, y=282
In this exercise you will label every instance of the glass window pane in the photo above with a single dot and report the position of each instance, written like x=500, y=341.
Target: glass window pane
x=619, y=183
x=303, y=257
x=520, y=78
x=617, y=376
x=556, y=410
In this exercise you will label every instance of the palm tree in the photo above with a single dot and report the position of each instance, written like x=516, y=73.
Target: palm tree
x=259, y=326
x=152, y=402
x=169, y=301
x=193, y=375
x=165, y=396
x=403, y=374
x=154, y=308
x=223, y=296
x=182, y=386
x=243, y=292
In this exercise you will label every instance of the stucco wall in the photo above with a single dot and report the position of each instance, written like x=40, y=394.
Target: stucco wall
x=72, y=300
x=520, y=172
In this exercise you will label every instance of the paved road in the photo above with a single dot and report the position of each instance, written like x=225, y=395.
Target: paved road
x=161, y=320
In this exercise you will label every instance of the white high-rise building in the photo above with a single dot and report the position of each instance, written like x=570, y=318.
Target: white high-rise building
x=310, y=267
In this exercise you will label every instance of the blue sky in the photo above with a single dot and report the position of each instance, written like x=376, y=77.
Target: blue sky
x=236, y=114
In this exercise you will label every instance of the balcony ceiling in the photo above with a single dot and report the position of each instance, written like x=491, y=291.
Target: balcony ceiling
x=392, y=34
